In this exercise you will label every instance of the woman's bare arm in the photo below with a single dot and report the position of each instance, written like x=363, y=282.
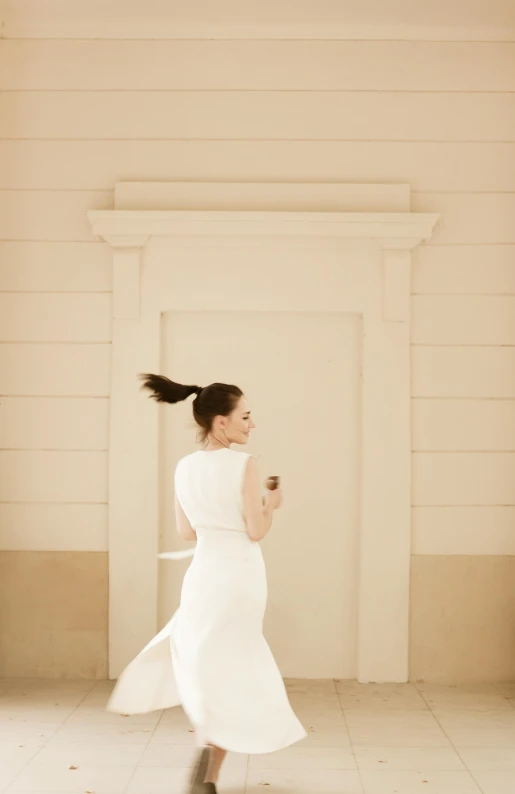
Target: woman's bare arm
x=258, y=516
x=184, y=527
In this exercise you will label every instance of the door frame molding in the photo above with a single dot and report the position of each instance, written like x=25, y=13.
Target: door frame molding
x=385, y=460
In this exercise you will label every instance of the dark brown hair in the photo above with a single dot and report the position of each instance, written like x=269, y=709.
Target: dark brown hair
x=218, y=399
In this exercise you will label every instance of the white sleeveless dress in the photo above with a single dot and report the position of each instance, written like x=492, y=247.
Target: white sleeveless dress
x=212, y=657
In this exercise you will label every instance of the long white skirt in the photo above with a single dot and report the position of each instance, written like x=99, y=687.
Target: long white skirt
x=212, y=657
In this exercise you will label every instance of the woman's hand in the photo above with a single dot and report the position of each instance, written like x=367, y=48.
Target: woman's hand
x=258, y=510
x=273, y=499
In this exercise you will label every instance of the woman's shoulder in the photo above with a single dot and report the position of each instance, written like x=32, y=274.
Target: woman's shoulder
x=185, y=461
x=239, y=458
x=241, y=454
x=235, y=455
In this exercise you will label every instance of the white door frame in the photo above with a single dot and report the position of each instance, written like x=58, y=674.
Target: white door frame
x=385, y=460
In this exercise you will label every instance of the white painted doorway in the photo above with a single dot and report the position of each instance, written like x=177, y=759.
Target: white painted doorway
x=301, y=373
x=303, y=266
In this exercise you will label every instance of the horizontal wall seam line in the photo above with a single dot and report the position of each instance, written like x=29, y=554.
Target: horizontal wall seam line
x=56, y=190
x=7, y=502
x=459, y=504
x=208, y=90
x=416, y=451
x=461, y=399
x=109, y=343
x=222, y=139
x=469, y=245
x=25, y=240
x=53, y=342
x=55, y=396
x=462, y=507
x=463, y=294
x=471, y=295
x=45, y=547
x=100, y=243
x=53, y=449
x=39, y=240
x=413, y=193
x=111, y=39
x=52, y=291
x=446, y=553
x=264, y=90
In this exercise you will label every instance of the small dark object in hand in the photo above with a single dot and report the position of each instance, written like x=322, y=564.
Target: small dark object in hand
x=273, y=483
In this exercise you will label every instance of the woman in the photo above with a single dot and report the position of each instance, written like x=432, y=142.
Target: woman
x=212, y=657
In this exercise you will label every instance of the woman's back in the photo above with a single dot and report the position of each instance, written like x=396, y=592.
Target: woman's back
x=209, y=487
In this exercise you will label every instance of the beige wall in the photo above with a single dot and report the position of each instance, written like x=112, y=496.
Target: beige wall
x=53, y=608
x=90, y=100
x=461, y=620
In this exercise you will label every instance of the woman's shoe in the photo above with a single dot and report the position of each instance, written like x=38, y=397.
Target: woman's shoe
x=198, y=776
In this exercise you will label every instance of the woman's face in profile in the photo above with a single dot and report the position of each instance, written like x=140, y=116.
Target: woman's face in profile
x=238, y=425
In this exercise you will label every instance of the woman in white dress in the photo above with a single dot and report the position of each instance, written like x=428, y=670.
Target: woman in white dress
x=212, y=657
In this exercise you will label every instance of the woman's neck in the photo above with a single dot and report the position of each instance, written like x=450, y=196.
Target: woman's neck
x=214, y=443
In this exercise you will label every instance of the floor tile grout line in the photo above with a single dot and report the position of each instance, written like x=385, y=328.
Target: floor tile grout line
x=456, y=750
x=72, y=712
x=382, y=714
x=247, y=769
x=152, y=734
x=351, y=743
x=471, y=772
x=451, y=744
x=30, y=761
x=472, y=775
x=511, y=700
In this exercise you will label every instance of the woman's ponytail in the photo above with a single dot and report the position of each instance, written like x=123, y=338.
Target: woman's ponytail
x=167, y=391
x=217, y=399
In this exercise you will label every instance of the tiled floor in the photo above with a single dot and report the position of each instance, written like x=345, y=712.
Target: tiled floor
x=56, y=738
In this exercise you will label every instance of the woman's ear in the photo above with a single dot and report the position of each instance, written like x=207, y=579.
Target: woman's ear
x=219, y=423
